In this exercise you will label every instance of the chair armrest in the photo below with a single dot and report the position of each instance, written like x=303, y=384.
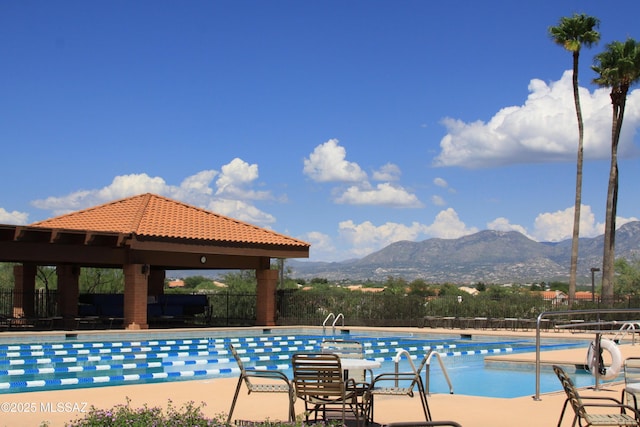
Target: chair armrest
x=620, y=406
x=400, y=376
x=267, y=374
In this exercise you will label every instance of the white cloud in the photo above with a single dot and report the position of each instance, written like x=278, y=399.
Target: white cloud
x=235, y=177
x=384, y=194
x=388, y=172
x=440, y=182
x=13, y=217
x=321, y=245
x=328, y=163
x=447, y=225
x=240, y=210
x=438, y=201
x=503, y=224
x=231, y=197
x=557, y=226
x=543, y=129
x=366, y=238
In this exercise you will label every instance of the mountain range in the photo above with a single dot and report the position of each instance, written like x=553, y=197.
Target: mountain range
x=487, y=256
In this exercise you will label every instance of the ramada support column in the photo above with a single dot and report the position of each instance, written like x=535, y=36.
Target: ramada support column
x=135, y=296
x=266, y=295
x=24, y=277
x=156, y=282
x=68, y=293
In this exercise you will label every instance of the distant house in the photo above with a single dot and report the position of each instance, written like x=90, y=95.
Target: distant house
x=556, y=297
x=584, y=295
x=176, y=283
x=363, y=289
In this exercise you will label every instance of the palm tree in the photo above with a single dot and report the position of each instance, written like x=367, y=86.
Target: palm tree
x=618, y=67
x=573, y=33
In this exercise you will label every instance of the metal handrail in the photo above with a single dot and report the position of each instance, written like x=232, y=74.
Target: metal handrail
x=444, y=370
x=548, y=314
x=333, y=325
x=329, y=316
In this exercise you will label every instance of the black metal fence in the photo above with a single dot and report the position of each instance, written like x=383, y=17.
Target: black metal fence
x=358, y=308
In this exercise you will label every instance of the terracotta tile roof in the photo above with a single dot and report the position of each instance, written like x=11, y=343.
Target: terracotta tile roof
x=156, y=216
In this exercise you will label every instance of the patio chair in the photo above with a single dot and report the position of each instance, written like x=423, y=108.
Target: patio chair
x=400, y=383
x=318, y=380
x=581, y=404
x=282, y=385
x=631, y=389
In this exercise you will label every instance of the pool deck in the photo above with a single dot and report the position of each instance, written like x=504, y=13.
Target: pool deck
x=59, y=407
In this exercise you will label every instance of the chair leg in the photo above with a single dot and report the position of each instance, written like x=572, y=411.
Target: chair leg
x=423, y=399
x=235, y=397
x=292, y=407
x=564, y=408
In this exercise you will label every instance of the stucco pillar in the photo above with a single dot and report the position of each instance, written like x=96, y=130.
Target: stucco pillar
x=135, y=296
x=266, y=297
x=68, y=293
x=24, y=277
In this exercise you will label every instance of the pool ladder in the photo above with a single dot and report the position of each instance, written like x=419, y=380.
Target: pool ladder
x=429, y=356
x=335, y=320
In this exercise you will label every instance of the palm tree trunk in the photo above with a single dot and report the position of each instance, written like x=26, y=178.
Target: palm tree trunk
x=618, y=100
x=578, y=200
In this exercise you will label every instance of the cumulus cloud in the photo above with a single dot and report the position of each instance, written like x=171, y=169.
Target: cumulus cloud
x=328, y=163
x=558, y=226
x=503, y=224
x=321, y=244
x=447, y=225
x=240, y=210
x=13, y=217
x=366, y=237
x=383, y=194
x=362, y=239
x=234, y=179
x=232, y=195
x=541, y=130
x=388, y=172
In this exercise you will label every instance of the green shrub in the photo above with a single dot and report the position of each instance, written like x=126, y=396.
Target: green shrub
x=189, y=415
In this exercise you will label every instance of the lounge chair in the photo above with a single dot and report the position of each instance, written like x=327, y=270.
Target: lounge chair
x=282, y=385
x=319, y=382
x=400, y=383
x=590, y=409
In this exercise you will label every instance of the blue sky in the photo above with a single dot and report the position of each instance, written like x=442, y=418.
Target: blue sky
x=348, y=124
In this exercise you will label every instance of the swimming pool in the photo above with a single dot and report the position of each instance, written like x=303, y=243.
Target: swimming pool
x=73, y=361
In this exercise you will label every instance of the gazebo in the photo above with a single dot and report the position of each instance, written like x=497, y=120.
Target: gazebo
x=145, y=236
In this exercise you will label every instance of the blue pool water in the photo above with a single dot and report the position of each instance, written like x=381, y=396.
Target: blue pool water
x=60, y=362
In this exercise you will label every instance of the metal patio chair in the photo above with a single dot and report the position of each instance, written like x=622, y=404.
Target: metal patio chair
x=582, y=405
x=319, y=382
x=400, y=383
x=281, y=385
